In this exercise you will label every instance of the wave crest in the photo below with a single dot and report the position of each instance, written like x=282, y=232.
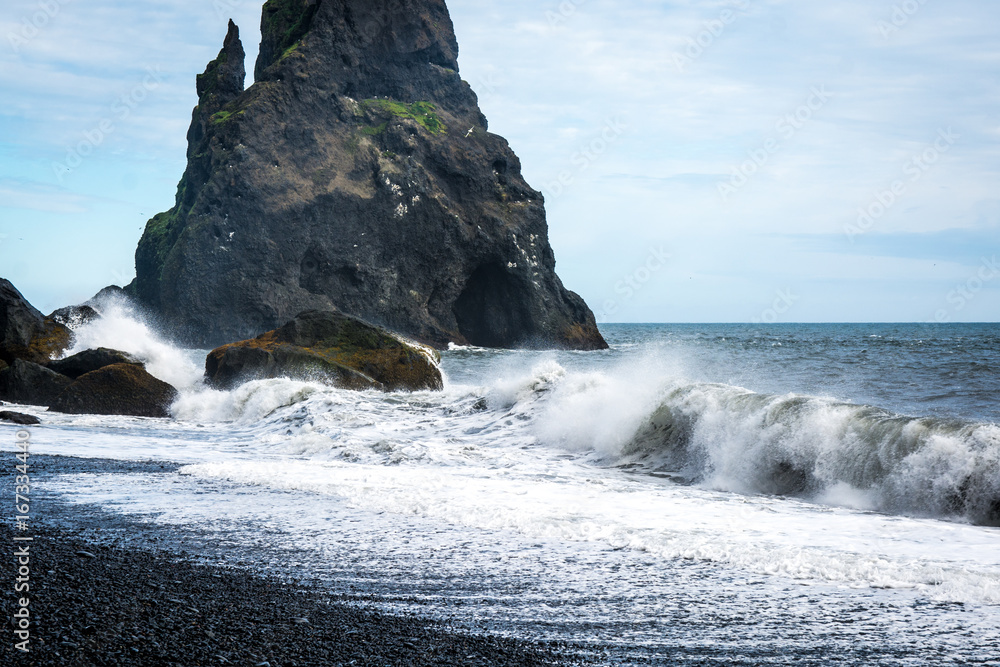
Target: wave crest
x=733, y=439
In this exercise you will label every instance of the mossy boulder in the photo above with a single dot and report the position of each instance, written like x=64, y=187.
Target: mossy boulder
x=28, y=383
x=51, y=341
x=89, y=361
x=332, y=348
x=120, y=389
x=25, y=333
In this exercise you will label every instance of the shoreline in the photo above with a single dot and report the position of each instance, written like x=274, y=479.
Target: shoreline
x=106, y=590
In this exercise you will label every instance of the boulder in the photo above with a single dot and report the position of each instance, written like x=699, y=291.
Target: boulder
x=91, y=360
x=120, y=389
x=28, y=383
x=19, y=418
x=75, y=316
x=357, y=174
x=328, y=347
x=24, y=332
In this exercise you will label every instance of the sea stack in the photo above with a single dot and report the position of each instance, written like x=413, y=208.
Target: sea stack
x=357, y=174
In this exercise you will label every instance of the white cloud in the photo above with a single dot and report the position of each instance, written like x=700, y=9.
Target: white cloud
x=39, y=197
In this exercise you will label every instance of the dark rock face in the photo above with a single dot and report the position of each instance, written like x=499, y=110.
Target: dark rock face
x=24, y=332
x=19, y=418
x=91, y=360
x=121, y=389
x=357, y=175
x=327, y=347
x=28, y=383
x=19, y=321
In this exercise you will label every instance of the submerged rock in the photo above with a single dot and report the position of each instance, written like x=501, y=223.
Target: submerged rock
x=327, y=347
x=120, y=389
x=24, y=332
x=91, y=360
x=357, y=174
x=19, y=418
x=28, y=383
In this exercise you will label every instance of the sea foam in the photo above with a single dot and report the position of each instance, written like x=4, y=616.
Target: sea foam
x=123, y=327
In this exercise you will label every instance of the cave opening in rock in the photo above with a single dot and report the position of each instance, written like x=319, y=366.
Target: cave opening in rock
x=492, y=311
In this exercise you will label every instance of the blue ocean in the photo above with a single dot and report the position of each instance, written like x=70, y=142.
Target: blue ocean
x=770, y=494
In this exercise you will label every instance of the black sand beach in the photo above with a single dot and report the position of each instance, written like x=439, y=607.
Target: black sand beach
x=108, y=591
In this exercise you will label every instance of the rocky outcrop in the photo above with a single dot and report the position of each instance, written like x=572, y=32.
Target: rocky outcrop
x=121, y=389
x=19, y=321
x=75, y=316
x=24, y=332
x=19, y=418
x=91, y=360
x=357, y=174
x=101, y=381
x=28, y=383
x=327, y=347
x=111, y=292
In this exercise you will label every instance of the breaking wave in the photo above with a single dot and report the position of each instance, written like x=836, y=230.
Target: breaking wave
x=732, y=439
x=729, y=438
x=122, y=326
x=635, y=414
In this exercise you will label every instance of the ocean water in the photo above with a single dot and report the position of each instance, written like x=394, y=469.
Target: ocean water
x=807, y=494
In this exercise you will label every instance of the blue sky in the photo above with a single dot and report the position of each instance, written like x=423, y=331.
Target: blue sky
x=714, y=161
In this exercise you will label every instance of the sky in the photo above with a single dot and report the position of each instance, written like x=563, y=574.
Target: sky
x=702, y=161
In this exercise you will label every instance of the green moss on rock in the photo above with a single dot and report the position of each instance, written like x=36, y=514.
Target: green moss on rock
x=225, y=116
x=332, y=348
x=284, y=24
x=375, y=130
x=208, y=82
x=424, y=113
x=52, y=341
x=157, y=236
